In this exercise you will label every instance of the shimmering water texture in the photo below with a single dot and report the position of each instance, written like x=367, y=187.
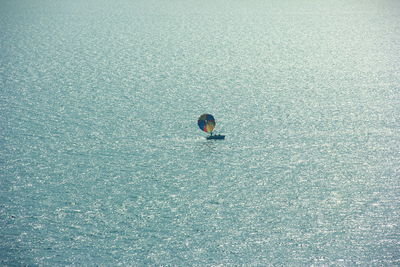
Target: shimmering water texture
x=103, y=163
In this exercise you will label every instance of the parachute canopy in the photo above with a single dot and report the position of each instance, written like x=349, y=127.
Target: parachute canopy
x=206, y=123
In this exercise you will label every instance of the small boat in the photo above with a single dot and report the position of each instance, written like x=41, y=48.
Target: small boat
x=206, y=123
x=216, y=137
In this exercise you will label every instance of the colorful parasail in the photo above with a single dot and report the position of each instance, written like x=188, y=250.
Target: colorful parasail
x=206, y=123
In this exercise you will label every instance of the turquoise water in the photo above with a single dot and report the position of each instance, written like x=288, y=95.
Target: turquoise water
x=102, y=162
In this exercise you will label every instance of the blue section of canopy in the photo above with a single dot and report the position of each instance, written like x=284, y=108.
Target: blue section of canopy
x=201, y=123
x=210, y=117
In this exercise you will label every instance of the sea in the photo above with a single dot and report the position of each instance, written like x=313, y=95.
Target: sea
x=102, y=162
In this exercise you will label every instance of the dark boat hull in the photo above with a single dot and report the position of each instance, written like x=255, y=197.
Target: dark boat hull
x=216, y=137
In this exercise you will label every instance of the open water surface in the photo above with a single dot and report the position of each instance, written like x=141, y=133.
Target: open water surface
x=102, y=162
